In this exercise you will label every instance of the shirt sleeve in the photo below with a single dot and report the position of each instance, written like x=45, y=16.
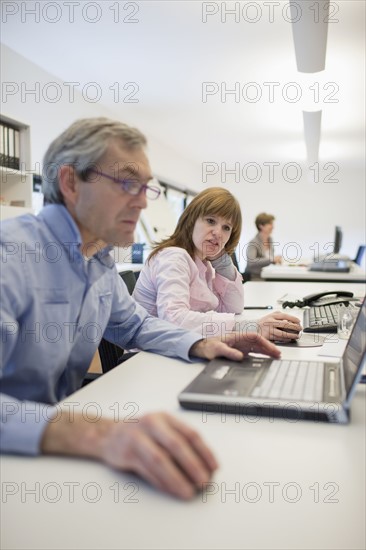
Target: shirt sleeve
x=22, y=424
x=131, y=326
x=225, y=267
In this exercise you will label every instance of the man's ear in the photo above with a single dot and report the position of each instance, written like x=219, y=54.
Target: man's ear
x=67, y=180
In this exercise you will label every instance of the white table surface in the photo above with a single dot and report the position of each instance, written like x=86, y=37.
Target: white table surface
x=262, y=293
x=296, y=273
x=128, y=267
x=281, y=484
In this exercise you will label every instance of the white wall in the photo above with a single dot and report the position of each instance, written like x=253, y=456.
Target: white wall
x=48, y=119
x=306, y=213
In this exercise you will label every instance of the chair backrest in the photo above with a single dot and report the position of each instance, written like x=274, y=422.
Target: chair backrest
x=110, y=354
x=360, y=253
x=129, y=279
x=235, y=262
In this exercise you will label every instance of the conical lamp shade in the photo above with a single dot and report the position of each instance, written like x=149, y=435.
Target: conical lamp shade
x=310, y=30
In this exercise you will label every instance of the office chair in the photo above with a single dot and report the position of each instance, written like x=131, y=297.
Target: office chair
x=129, y=279
x=235, y=262
x=359, y=255
x=111, y=354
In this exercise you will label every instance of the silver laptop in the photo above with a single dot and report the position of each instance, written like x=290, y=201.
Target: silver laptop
x=290, y=389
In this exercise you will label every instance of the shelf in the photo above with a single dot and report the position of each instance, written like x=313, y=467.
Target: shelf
x=16, y=185
x=7, y=211
x=10, y=173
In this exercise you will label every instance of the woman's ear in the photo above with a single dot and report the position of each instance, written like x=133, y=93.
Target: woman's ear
x=67, y=181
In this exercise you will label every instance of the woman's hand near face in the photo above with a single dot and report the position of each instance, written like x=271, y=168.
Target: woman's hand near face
x=217, y=256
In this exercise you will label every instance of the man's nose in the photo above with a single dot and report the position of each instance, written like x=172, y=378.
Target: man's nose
x=139, y=201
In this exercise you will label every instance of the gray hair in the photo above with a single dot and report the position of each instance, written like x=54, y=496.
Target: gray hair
x=82, y=145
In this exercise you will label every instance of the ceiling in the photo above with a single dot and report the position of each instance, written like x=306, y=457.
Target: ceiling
x=168, y=53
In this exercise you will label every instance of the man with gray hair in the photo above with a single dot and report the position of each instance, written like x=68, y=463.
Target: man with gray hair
x=57, y=280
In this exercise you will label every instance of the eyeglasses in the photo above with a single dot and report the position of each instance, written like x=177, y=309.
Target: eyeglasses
x=132, y=186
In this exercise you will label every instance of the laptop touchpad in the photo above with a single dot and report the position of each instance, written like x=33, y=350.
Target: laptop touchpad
x=245, y=378
x=231, y=378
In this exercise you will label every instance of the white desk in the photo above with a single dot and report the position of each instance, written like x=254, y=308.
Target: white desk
x=281, y=484
x=301, y=273
x=128, y=266
x=262, y=293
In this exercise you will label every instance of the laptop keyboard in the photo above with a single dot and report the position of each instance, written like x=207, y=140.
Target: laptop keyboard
x=287, y=379
x=321, y=318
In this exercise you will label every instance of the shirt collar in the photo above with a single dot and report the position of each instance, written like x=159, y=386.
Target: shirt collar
x=62, y=225
x=203, y=266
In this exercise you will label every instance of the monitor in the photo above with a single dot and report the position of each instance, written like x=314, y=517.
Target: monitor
x=337, y=240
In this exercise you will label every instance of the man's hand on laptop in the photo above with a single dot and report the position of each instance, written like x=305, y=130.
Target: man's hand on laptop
x=234, y=346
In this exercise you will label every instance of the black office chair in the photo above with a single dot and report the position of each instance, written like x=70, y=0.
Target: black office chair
x=360, y=254
x=235, y=262
x=129, y=279
x=110, y=354
x=246, y=277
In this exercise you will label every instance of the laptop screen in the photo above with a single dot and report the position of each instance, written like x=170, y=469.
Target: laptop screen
x=355, y=349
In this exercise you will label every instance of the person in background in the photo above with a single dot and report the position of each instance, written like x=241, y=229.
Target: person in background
x=189, y=278
x=61, y=292
x=260, y=250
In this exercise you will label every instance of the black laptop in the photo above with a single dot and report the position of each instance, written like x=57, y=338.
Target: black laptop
x=290, y=389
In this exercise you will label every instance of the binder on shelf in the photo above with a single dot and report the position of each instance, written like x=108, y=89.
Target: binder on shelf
x=9, y=146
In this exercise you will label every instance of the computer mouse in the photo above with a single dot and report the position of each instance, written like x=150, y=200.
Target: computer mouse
x=281, y=341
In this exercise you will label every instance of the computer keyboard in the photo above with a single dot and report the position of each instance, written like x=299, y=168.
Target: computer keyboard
x=287, y=379
x=321, y=318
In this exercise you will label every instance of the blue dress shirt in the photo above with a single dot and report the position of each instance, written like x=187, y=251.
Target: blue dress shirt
x=55, y=307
